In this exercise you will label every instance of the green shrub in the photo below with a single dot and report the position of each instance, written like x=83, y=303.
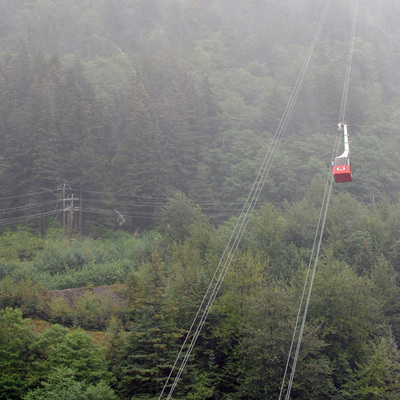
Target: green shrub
x=8, y=268
x=60, y=312
x=20, y=245
x=90, y=312
x=24, y=294
x=86, y=262
x=58, y=257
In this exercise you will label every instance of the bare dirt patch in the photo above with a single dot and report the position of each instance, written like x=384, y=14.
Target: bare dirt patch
x=109, y=293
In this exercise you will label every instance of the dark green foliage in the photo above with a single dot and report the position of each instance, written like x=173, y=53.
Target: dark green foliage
x=60, y=384
x=63, y=384
x=86, y=262
x=139, y=165
x=349, y=309
x=21, y=244
x=178, y=216
x=184, y=97
x=243, y=346
x=131, y=102
x=78, y=352
x=379, y=373
x=24, y=294
x=147, y=355
x=261, y=353
x=16, y=355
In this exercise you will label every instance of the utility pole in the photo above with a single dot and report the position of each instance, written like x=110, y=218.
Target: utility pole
x=71, y=198
x=62, y=186
x=80, y=222
x=63, y=196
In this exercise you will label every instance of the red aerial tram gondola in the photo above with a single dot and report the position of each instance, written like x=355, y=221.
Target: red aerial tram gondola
x=341, y=165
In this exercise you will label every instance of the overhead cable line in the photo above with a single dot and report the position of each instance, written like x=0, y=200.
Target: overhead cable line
x=26, y=207
x=241, y=224
x=128, y=199
x=23, y=218
x=27, y=194
x=309, y=281
x=122, y=194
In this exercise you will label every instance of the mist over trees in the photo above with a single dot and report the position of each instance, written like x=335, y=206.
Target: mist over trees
x=152, y=118
x=149, y=98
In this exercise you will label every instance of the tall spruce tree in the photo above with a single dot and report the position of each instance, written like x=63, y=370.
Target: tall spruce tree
x=40, y=172
x=16, y=338
x=138, y=166
x=83, y=145
x=149, y=351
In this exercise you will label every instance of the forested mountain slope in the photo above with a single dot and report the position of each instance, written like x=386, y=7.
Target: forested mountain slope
x=349, y=349
x=144, y=98
x=131, y=132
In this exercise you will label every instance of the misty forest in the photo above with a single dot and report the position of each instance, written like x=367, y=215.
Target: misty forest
x=131, y=134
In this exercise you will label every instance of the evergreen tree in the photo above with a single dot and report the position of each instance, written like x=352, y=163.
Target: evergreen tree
x=138, y=166
x=178, y=216
x=149, y=350
x=40, y=170
x=259, y=358
x=16, y=355
x=378, y=377
x=174, y=98
x=16, y=78
x=349, y=315
x=60, y=384
x=32, y=164
x=79, y=353
x=83, y=146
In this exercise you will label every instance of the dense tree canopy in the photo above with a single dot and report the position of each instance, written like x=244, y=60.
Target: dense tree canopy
x=137, y=100
x=136, y=129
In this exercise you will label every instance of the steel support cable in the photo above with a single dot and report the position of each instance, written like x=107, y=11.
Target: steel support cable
x=320, y=226
x=349, y=63
x=310, y=286
x=321, y=218
x=242, y=220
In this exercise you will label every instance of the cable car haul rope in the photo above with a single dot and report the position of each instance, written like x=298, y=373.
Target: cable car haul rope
x=341, y=172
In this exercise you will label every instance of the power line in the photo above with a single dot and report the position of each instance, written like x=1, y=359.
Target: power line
x=23, y=218
x=27, y=194
x=26, y=207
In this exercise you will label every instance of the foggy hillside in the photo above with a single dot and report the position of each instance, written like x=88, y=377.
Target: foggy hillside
x=145, y=98
x=134, y=136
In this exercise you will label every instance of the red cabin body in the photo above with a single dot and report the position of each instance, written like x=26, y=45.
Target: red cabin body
x=342, y=173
